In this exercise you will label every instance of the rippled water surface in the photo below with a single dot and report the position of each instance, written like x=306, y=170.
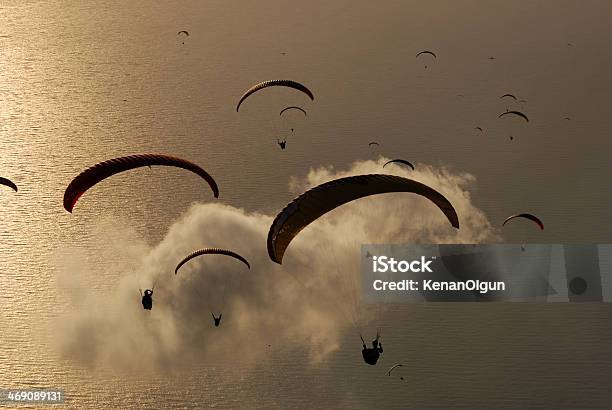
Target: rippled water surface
x=81, y=82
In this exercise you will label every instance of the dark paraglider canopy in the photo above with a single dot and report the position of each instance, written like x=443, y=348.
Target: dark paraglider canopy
x=272, y=83
x=427, y=52
x=317, y=201
x=8, y=183
x=518, y=113
x=478, y=128
x=393, y=368
x=508, y=95
x=399, y=161
x=183, y=32
x=103, y=170
x=373, y=143
x=526, y=216
x=293, y=108
x=211, y=251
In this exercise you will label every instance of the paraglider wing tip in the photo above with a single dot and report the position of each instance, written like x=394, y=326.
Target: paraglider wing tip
x=272, y=254
x=271, y=244
x=7, y=182
x=69, y=203
x=453, y=218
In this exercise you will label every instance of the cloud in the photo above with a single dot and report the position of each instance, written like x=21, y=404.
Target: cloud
x=306, y=304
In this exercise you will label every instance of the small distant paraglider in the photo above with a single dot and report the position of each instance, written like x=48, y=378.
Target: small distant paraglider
x=517, y=113
x=509, y=95
x=530, y=217
x=212, y=251
x=479, y=129
x=393, y=368
x=373, y=144
x=420, y=53
x=183, y=32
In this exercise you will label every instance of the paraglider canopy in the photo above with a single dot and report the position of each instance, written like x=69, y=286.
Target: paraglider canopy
x=518, y=113
x=97, y=173
x=393, y=368
x=508, y=95
x=293, y=108
x=272, y=83
x=427, y=52
x=399, y=161
x=319, y=200
x=211, y=251
x=526, y=216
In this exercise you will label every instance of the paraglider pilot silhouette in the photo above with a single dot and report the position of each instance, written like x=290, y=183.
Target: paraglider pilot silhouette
x=282, y=143
x=371, y=355
x=217, y=319
x=147, y=298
